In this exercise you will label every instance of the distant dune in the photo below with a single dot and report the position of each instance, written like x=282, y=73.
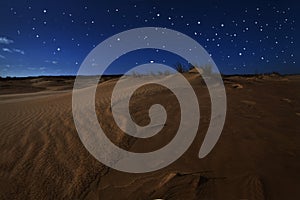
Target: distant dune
x=256, y=157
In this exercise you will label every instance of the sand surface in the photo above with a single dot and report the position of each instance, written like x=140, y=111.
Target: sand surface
x=256, y=157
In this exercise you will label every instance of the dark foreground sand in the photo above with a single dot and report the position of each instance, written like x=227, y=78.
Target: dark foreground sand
x=256, y=157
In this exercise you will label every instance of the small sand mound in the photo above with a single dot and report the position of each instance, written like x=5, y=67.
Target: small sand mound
x=286, y=100
x=247, y=102
x=237, y=86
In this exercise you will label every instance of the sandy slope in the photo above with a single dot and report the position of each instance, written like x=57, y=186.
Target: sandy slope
x=257, y=156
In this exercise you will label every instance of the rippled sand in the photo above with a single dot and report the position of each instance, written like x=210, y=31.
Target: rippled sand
x=256, y=157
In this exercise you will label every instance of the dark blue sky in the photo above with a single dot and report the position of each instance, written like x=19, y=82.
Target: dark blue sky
x=53, y=37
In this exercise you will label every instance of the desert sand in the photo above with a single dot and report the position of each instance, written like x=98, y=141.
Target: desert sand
x=256, y=157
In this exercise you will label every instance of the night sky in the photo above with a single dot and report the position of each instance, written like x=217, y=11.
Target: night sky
x=54, y=37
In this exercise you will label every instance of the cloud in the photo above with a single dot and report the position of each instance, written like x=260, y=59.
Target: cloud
x=13, y=50
x=54, y=62
x=31, y=68
x=4, y=40
x=42, y=68
x=2, y=56
x=19, y=51
x=6, y=50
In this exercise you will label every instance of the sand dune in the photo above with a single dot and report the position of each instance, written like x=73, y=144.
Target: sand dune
x=256, y=157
